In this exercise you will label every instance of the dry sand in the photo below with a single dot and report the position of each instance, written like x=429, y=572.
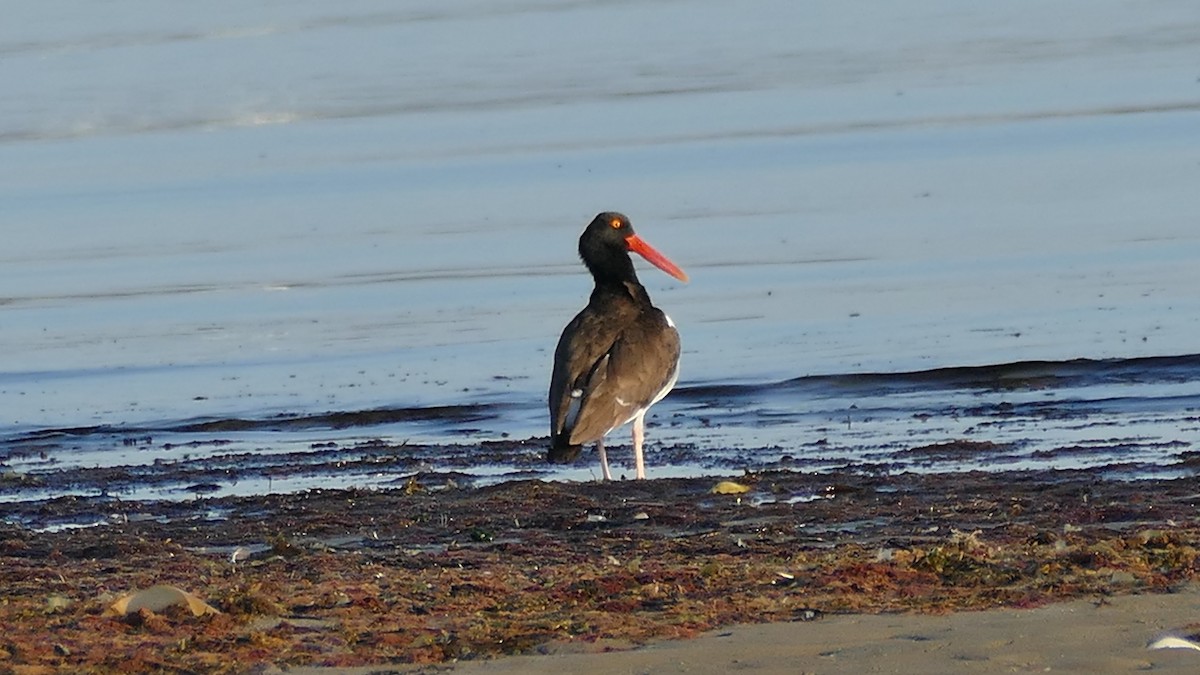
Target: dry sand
x=1083, y=636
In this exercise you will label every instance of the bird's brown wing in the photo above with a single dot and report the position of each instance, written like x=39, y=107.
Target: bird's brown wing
x=584, y=344
x=635, y=370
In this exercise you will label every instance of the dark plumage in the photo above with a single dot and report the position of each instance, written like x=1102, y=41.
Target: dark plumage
x=619, y=355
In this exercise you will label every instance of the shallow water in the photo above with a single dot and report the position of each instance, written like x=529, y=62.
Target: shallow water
x=1129, y=419
x=293, y=211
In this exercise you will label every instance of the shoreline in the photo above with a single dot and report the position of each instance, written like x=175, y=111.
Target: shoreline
x=431, y=573
x=1092, y=635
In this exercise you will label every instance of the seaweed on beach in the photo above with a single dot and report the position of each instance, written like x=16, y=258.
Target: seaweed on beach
x=430, y=572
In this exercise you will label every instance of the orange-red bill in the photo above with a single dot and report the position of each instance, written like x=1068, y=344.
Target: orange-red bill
x=640, y=247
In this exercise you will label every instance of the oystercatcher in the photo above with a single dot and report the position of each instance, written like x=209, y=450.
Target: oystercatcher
x=619, y=355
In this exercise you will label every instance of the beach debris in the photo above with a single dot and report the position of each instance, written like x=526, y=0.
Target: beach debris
x=1154, y=538
x=30, y=669
x=1122, y=577
x=728, y=487
x=12, y=478
x=828, y=493
x=249, y=600
x=966, y=540
x=807, y=614
x=283, y=547
x=707, y=563
x=1174, y=642
x=412, y=487
x=158, y=598
x=784, y=579
x=57, y=603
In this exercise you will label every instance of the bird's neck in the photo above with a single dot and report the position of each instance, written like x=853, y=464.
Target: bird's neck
x=621, y=291
x=613, y=270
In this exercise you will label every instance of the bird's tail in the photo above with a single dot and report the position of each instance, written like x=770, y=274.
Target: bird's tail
x=562, y=452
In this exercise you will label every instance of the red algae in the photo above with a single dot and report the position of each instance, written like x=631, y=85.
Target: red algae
x=429, y=573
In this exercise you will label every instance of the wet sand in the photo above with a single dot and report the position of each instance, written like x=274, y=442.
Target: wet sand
x=918, y=522
x=1130, y=418
x=1081, y=636
x=431, y=573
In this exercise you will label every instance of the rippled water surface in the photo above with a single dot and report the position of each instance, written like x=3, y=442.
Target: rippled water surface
x=934, y=237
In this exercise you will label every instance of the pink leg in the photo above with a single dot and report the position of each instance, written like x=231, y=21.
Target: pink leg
x=603, y=459
x=639, y=434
